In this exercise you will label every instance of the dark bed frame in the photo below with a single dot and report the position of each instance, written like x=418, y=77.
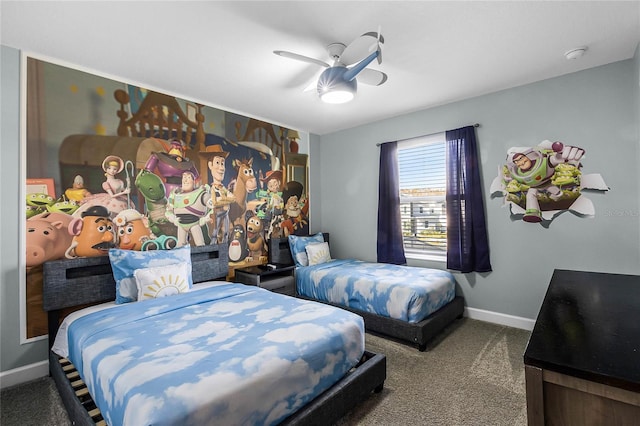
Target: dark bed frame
x=89, y=281
x=418, y=334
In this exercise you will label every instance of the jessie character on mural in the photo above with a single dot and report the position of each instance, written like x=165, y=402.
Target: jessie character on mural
x=93, y=234
x=273, y=195
x=221, y=197
x=187, y=209
x=170, y=165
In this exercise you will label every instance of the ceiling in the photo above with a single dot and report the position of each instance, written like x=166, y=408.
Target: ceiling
x=221, y=53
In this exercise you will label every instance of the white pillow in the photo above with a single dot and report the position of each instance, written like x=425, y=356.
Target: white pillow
x=162, y=281
x=318, y=253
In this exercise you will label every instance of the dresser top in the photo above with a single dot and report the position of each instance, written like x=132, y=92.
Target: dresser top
x=589, y=327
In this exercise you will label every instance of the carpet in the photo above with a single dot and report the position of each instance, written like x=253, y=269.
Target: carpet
x=471, y=374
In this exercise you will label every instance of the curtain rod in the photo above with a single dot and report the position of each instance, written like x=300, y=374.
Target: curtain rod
x=474, y=125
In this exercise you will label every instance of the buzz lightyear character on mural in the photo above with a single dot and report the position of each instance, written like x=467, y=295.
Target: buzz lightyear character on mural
x=187, y=209
x=540, y=182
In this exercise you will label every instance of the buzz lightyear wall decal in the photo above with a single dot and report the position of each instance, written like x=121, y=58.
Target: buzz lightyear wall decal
x=539, y=183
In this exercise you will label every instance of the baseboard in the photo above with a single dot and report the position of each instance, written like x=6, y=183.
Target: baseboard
x=23, y=374
x=498, y=318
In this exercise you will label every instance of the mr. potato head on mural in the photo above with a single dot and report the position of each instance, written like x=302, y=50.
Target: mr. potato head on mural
x=93, y=234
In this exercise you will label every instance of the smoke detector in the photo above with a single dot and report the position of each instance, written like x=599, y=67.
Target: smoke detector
x=576, y=53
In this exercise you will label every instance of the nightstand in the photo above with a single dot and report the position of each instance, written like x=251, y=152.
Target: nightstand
x=280, y=280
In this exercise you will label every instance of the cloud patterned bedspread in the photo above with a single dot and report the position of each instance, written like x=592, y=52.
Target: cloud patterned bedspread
x=402, y=292
x=230, y=354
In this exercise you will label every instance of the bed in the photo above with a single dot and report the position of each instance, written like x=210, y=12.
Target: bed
x=412, y=309
x=100, y=384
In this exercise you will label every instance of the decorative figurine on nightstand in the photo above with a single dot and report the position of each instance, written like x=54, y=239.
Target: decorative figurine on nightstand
x=187, y=209
x=132, y=229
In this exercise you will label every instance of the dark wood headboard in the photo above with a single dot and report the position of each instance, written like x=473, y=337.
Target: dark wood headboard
x=280, y=253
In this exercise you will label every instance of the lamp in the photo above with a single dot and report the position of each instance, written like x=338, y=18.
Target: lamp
x=334, y=88
x=292, y=135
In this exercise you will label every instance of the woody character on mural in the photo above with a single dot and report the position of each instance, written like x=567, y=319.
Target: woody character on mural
x=539, y=183
x=148, y=171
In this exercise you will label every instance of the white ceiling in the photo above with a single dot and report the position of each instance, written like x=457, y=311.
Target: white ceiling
x=220, y=53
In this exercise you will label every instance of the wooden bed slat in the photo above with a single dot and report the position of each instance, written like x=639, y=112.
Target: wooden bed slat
x=82, y=392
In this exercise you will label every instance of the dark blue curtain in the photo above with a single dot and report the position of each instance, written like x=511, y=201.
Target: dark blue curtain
x=467, y=245
x=390, y=248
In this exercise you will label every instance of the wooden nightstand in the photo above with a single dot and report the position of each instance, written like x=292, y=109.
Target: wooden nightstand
x=280, y=280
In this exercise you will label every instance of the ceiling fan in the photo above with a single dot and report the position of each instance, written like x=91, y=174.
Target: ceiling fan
x=338, y=83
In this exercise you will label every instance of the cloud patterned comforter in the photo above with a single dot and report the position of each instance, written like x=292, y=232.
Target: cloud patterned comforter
x=402, y=292
x=227, y=355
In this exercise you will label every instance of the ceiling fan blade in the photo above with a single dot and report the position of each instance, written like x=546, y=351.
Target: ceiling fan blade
x=302, y=58
x=376, y=35
x=360, y=48
x=313, y=84
x=371, y=77
x=359, y=67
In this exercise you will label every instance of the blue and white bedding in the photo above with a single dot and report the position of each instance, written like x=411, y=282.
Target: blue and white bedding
x=402, y=292
x=229, y=354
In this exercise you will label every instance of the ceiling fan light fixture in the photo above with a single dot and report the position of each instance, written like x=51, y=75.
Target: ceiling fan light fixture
x=333, y=88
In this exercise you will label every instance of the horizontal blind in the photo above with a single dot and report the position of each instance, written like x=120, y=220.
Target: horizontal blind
x=422, y=185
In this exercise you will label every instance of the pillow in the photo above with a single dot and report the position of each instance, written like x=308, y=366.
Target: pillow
x=125, y=262
x=318, y=253
x=297, y=245
x=162, y=281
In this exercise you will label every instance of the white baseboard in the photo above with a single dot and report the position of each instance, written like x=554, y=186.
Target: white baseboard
x=23, y=374
x=498, y=318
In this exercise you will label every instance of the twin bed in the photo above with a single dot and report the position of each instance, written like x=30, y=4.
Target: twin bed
x=401, y=302
x=220, y=353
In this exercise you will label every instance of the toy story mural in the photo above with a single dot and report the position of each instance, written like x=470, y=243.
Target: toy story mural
x=539, y=183
x=155, y=186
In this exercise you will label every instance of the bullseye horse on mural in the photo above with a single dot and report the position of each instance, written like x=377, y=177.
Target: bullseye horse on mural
x=244, y=184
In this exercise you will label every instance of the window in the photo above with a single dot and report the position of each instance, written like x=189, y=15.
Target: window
x=422, y=177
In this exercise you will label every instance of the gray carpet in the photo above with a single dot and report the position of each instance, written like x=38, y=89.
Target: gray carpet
x=472, y=374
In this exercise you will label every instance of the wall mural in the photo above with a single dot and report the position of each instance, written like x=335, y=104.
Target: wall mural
x=539, y=183
x=140, y=170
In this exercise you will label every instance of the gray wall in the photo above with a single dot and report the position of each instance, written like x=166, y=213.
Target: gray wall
x=12, y=353
x=594, y=109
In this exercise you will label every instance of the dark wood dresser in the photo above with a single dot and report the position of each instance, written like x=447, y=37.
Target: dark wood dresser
x=582, y=362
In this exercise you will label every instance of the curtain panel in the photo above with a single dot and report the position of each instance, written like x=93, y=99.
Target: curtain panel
x=467, y=243
x=390, y=246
